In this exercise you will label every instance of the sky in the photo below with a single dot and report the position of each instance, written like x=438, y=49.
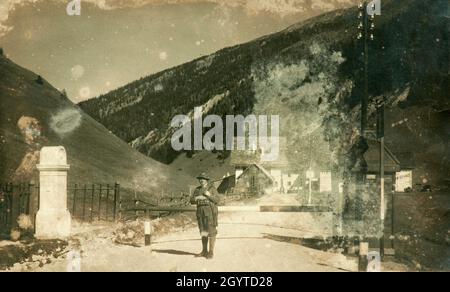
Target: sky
x=114, y=42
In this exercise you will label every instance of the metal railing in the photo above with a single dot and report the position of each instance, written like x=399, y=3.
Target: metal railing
x=15, y=199
x=94, y=202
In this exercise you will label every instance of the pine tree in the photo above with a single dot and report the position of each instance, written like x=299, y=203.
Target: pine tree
x=39, y=80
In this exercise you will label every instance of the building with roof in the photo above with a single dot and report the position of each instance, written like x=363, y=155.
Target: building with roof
x=256, y=176
x=398, y=167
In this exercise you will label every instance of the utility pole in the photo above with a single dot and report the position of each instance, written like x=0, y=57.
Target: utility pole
x=363, y=30
x=365, y=34
x=366, y=27
x=380, y=136
x=367, y=13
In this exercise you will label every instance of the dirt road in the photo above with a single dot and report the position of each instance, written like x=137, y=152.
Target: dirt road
x=240, y=247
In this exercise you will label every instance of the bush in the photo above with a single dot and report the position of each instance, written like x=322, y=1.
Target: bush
x=24, y=222
x=15, y=234
x=1, y=52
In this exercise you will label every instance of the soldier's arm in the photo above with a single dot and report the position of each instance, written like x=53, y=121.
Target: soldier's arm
x=193, y=196
x=196, y=196
x=214, y=195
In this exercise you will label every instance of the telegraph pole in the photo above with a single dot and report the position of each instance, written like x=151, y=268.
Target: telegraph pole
x=363, y=34
x=366, y=26
x=380, y=136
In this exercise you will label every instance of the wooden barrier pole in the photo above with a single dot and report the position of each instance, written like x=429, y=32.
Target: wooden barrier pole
x=256, y=209
x=363, y=253
x=148, y=232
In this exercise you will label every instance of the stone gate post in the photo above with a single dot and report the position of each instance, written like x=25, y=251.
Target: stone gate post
x=53, y=218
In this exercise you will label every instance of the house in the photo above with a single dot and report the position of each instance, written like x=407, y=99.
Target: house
x=254, y=180
x=255, y=176
x=398, y=167
x=372, y=159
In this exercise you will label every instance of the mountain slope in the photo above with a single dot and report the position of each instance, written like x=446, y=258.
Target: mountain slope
x=311, y=75
x=35, y=114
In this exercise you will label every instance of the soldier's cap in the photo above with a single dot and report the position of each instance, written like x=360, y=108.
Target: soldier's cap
x=203, y=175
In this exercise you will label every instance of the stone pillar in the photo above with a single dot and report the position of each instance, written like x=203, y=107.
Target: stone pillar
x=53, y=219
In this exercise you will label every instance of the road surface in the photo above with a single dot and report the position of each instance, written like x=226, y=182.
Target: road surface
x=240, y=246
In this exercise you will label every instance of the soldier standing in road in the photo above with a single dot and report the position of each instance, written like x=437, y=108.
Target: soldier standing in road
x=206, y=198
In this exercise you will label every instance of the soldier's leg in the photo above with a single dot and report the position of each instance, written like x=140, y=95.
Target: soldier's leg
x=204, y=235
x=212, y=233
x=204, y=252
x=212, y=243
x=205, y=245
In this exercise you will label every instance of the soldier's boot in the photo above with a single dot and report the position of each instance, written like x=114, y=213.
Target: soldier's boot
x=212, y=243
x=204, y=252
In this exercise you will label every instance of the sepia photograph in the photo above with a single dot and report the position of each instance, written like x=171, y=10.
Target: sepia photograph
x=224, y=136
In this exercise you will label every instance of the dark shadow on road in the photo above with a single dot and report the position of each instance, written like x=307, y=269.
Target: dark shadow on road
x=198, y=239
x=174, y=252
x=314, y=243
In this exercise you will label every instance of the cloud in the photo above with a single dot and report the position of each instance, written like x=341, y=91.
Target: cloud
x=279, y=8
x=6, y=7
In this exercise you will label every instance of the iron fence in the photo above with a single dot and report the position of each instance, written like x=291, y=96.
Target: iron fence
x=94, y=202
x=15, y=199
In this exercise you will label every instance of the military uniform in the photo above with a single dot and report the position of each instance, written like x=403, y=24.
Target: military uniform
x=207, y=211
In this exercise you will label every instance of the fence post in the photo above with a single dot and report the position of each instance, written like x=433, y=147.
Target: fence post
x=27, y=210
x=107, y=201
x=116, y=190
x=84, y=202
x=74, y=203
x=92, y=202
x=15, y=205
x=20, y=193
x=33, y=202
x=10, y=190
x=100, y=203
x=136, y=204
x=19, y=190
